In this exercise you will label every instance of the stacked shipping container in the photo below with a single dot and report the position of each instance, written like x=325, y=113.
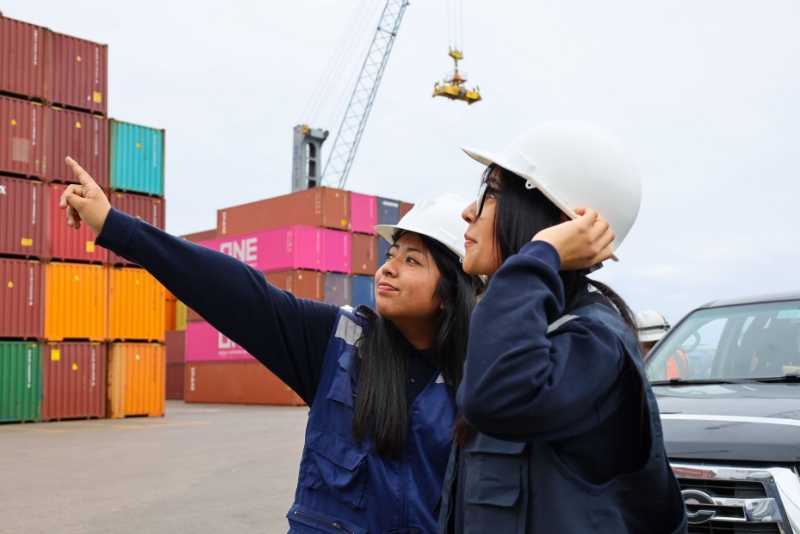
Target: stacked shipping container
x=63, y=299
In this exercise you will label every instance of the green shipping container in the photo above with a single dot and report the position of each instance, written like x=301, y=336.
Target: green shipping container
x=20, y=381
x=137, y=158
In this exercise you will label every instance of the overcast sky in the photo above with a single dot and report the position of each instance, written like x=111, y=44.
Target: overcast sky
x=705, y=95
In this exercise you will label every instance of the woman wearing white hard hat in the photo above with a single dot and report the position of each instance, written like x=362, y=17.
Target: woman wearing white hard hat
x=380, y=385
x=560, y=430
x=651, y=326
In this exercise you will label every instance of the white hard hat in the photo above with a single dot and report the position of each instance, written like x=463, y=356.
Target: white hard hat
x=651, y=326
x=575, y=163
x=437, y=218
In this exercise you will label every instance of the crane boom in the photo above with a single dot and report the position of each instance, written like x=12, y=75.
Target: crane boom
x=355, y=117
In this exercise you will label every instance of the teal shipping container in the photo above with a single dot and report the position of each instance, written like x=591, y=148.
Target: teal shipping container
x=20, y=381
x=137, y=158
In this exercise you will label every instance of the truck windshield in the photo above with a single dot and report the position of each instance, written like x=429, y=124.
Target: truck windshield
x=745, y=342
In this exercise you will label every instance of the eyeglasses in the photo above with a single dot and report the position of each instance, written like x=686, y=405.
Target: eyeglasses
x=482, y=194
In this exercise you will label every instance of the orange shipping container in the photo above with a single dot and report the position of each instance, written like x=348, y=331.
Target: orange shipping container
x=75, y=302
x=170, y=303
x=136, y=379
x=135, y=305
x=364, y=254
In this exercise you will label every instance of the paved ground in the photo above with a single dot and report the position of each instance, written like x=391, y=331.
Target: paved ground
x=204, y=468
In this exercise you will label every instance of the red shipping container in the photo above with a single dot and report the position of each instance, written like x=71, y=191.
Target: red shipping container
x=300, y=283
x=363, y=213
x=175, y=340
x=84, y=138
x=149, y=209
x=73, y=381
x=236, y=383
x=23, y=135
x=205, y=344
x=192, y=316
x=65, y=243
x=23, y=60
x=200, y=236
x=405, y=207
x=79, y=76
x=320, y=206
x=365, y=254
x=21, y=299
x=174, y=382
x=22, y=217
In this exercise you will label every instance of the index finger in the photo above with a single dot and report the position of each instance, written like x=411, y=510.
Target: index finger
x=587, y=215
x=82, y=176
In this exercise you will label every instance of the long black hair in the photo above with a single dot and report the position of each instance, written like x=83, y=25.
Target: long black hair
x=381, y=409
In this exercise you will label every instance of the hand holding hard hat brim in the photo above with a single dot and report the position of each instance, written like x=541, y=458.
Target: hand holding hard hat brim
x=581, y=243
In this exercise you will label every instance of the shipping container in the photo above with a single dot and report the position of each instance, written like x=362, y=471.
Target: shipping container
x=388, y=211
x=23, y=59
x=136, y=380
x=75, y=302
x=337, y=289
x=192, y=317
x=21, y=301
x=383, y=249
x=149, y=209
x=23, y=138
x=175, y=341
x=137, y=158
x=22, y=217
x=169, y=311
x=20, y=381
x=73, y=381
x=236, y=383
x=205, y=344
x=364, y=254
x=81, y=136
x=174, y=380
x=363, y=213
x=336, y=251
x=323, y=207
x=363, y=291
x=135, y=305
x=279, y=249
x=196, y=237
x=65, y=243
x=79, y=78
x=405, y=207
x=181, y=312
x=300, y=283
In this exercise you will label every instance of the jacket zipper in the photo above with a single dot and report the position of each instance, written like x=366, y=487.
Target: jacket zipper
x=451, y=506
x=337, y=526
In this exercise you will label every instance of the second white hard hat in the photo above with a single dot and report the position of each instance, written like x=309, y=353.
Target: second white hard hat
x=651, y=326
x=437, y=218
x=575, y=163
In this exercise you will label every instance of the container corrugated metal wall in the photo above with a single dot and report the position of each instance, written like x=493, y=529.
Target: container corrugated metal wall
x=174, y=380
x=337, y=289
x=23, y=135
x=20, y=381
x=73, y=381
x=84, y=138
x=363, y=213
x=236, y=383
x=149, y=209
x=169, y=311
x=65, y=243
x=79, y=73
x=196, y=237
x=319, y=207
x=336, y=251
x=23, y=61
x=405, y=207
x=363, y=291
x=181, y=313
x=175, y=341
x=388, y=211
x=303, y=284
x=205, y=344
x=21, y=290
x=22, y=220
x=137, y=158
x=364, y=254
x=75, y=302
x=136, y=379
x=135, y=305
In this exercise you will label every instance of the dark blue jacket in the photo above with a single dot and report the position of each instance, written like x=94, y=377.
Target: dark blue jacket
x=309, y=345
x=570, y=437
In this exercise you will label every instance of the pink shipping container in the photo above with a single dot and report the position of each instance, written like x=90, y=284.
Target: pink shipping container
x=65, y=243
x=79, y=73
x=73, y=381
x=363, y=213
x=84, y=138
x=149, y=209
x=23, y=132
x=22, y=217
x=21, y=299
x=336, y=252
x=205, y=344
x=23, y=61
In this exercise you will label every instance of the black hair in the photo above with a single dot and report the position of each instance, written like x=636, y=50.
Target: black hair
x=381, y=409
